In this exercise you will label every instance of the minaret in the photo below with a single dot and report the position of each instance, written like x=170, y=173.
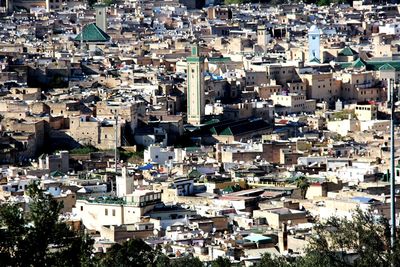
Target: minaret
x=314, y=43
x=263, y=37
x=195, y=87
x=101, y=16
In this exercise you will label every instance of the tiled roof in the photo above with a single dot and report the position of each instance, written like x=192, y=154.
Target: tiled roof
x=92, y=33
x=387, y=66
x=315, y=60
x=359, y=64
x=376, y=65
x=219, y=59
x=347, y=52
x=240, y=127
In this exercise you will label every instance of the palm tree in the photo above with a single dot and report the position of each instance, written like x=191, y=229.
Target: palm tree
x=303, y=184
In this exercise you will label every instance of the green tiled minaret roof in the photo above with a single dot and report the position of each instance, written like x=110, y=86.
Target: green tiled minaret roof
x=315, y=60
x=359, y=64
x=347, y=52
x=92, y=33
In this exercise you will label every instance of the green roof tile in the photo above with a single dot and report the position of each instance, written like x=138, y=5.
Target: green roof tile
x=315, y=60
x=92, y=33
x=219, y=59
x=387, y=66
x=359, y=64
x=227, y=131
x=375, y=65
x=347, y=52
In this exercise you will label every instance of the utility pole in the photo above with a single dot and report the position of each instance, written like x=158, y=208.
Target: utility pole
x=392, y=165
x=116, y=142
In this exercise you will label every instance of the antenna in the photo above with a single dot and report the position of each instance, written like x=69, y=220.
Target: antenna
x=116, y=145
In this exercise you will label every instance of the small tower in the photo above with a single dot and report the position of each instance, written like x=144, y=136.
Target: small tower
x=314, y=43
x=195, y=87
x=124, y=182
x=283, y=238
x=101, y=16
x=263, y=37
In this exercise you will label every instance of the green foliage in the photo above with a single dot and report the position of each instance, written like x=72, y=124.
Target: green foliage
x=273, y=261
x=83, y=150
x=186, y=261
x=303, y=184
x=131, y=156
x=221, y=262
x=40, y=239
x=343, y=114
x=323, y=2
x=230, y=2
x=333, y=243
x=134, y=252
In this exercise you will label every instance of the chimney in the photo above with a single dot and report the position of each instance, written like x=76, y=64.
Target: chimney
x=283, y=238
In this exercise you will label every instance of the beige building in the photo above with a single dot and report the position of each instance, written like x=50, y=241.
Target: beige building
x=295, y=103
x=366, y=112
x=321, y=86
x=87, y=130
x=127, y=112
x=25, y=93
x=277, y=216
x=265, y=91
x=282, y=73
x=360, y=86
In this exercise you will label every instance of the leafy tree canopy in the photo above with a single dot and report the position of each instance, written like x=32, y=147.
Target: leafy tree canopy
x=40, y=238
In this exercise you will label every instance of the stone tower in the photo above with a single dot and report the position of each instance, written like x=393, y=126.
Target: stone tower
x=101, y=16
x=314, y=43
x=195, y=87
x=263, y=37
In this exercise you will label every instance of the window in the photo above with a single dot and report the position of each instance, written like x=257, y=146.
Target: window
x=106, y=212
x=113, y=213
x=81, y=208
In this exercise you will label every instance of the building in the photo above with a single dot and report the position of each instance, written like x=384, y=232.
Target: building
x=263, y=37
x=195, y=87
x=314, y=43
x=293, y=103
x=59, y=162
x=101, y=16
x=95, y=213
x=366, y=112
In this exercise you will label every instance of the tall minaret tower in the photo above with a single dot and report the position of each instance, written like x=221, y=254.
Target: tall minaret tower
x=195, y=87
x=263, y=37
x=314, y=43
x=101, y=16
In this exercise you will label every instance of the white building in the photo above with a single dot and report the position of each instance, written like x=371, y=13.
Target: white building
x=97, y=212
x=295, y=103
x=358, y=172
x=160, y=155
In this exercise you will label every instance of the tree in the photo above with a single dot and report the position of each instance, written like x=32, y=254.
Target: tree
x=366, y=235
x=268, y=260
x=134, y=252
x=230, y=2
x=362, y=241
x=303, y=184
x=221, y=262
x=186, y=261
x=40, y=238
